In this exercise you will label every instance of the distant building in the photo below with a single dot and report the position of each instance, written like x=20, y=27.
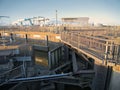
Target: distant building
x=80, y=21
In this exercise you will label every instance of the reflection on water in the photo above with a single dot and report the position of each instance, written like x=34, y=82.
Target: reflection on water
x=41, y=58
x=115, y=81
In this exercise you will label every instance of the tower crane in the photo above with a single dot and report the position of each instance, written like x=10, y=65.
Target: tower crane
x=22, y=21
x=30, y=20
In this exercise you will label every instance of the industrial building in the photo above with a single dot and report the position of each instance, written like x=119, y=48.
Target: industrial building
x=76, y=21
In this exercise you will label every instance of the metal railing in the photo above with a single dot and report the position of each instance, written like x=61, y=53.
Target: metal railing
x=55, y=57
x=102, y=48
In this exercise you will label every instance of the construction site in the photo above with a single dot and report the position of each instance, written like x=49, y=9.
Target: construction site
x=36, y=54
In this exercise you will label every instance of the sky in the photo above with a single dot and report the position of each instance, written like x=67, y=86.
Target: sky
x=99, y=11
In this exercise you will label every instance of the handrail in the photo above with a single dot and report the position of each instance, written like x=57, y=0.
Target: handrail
x=105, y=48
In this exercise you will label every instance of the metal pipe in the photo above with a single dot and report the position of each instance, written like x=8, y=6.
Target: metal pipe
x=42, y=78
x=11, y=70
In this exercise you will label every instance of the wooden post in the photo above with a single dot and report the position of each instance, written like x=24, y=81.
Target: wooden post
x=26, y=38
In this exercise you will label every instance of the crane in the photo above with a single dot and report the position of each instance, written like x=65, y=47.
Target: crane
x=30, y=20
x=21, y=22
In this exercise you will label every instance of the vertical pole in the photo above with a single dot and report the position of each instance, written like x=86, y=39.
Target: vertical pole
x=46, y=40
x=44, y=21
x=56, y=18
x=106, y=53
x=26, y=38
x=56, y=21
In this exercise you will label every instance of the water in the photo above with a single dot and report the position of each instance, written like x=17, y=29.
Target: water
x=41, y=58
x=115, y=81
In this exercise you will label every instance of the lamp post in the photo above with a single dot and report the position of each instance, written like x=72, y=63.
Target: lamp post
x=56, y=18
x=56, y=22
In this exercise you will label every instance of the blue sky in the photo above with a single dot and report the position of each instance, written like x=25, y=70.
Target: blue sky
x=99, y=11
